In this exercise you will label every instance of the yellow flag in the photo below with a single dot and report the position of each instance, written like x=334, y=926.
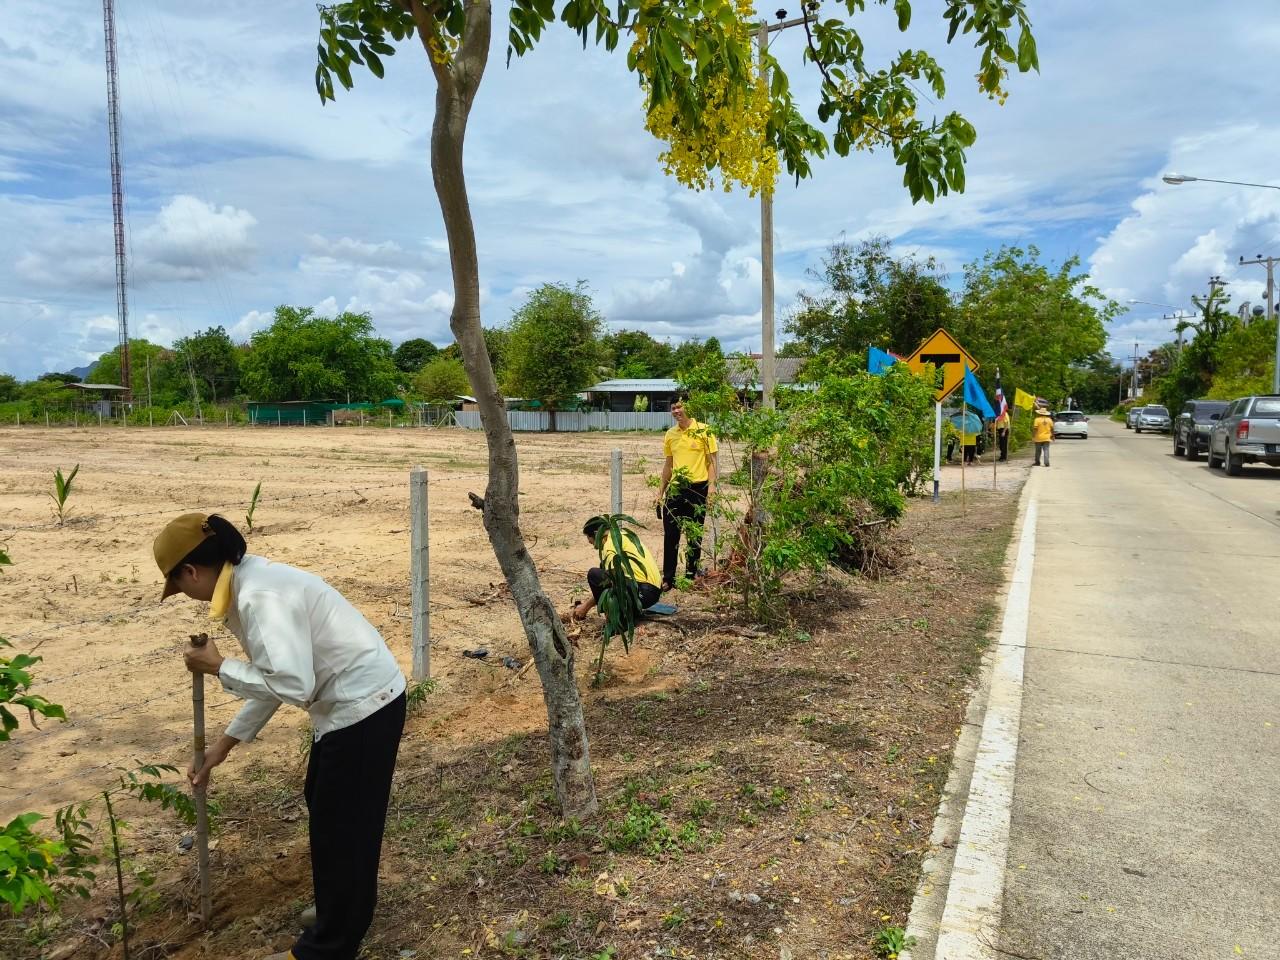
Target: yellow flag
x=1023, y=399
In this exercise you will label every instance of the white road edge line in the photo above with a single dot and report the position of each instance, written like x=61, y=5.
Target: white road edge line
x=970, y=925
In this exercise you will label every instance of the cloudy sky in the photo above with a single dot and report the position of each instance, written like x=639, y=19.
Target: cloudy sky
x=244, y=192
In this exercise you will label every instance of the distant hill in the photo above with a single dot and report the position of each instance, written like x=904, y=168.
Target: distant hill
x=81, y=372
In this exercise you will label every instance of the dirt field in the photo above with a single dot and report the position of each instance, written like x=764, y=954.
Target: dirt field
x=763, y=794
x=334, y=501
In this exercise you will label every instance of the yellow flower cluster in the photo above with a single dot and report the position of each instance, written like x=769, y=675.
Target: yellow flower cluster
x=731, y=131
x=442, y=47
x=730, y=137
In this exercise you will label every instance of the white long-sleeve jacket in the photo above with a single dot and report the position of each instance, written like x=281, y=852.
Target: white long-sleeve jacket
x=308, y=646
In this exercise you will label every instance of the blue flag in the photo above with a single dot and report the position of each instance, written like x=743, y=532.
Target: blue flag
x=974, y=396
x=878, y=361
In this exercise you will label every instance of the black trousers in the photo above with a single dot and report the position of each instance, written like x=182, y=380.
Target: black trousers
x=649, y=594
x=689, y=503
x=348, y=787
x=1002, y=438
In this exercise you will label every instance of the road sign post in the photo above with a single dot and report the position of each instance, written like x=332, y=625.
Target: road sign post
x=937, y=450
x=944, y=353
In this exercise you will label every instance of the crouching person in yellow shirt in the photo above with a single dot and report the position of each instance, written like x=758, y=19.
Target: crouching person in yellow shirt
x=645, y=570
x=308, y=647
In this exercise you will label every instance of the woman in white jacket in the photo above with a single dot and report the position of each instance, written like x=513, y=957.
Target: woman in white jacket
x=306, y=645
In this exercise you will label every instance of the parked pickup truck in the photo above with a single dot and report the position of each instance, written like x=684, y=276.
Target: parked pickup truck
x=1248, y=432
x=1194, y=424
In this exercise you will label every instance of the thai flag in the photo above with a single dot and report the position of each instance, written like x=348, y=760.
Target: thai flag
x=1002, y=407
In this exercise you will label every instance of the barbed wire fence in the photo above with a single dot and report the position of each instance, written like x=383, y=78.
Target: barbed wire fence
x=458, y=571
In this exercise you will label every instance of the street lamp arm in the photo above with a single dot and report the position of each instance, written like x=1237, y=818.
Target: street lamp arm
x=1177, y=178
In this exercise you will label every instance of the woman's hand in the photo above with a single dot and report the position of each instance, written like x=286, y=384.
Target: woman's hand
x=203, y=659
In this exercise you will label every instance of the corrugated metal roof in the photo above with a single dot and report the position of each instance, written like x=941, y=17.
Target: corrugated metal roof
x=785, y=369
x=635, y=386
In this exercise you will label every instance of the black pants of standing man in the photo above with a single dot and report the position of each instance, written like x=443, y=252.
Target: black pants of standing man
x=689, y=503
x=1002, y=438
x=347, y=790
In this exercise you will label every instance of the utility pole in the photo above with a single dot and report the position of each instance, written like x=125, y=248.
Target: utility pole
x=148, y=379
x=768, y=369
x=1270, y=264
x=1135, y=370
x=117, y=193
x=1178, y=319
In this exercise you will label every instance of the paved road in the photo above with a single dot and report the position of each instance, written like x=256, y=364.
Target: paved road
x=1145, y=818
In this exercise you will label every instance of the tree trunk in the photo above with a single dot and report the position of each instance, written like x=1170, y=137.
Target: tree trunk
x=457, y=83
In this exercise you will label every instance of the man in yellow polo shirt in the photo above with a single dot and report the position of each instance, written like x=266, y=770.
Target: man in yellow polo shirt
x=688, y=481
x=1042, y=435
x=644, y=568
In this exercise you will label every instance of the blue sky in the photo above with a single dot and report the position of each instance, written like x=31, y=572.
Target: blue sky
x=245, y=192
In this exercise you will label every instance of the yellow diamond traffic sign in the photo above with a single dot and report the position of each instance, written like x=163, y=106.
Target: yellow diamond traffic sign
x=944, y=352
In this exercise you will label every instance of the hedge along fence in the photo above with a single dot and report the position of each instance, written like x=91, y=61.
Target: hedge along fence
x=25, y=413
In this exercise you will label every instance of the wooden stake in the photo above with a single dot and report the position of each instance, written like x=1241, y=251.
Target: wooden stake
x=202, y=805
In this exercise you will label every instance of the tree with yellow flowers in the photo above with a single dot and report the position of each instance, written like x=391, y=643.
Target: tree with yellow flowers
x=706, y=100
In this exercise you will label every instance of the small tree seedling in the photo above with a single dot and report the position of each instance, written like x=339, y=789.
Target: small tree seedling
x=62, y=491
x=253, y=505
x=619, y=602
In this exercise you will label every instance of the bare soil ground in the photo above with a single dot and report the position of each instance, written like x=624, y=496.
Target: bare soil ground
x=763, y=794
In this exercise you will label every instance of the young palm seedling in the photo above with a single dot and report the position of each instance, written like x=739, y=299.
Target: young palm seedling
x=253, y=505
x=619, y=602
x=62, y=491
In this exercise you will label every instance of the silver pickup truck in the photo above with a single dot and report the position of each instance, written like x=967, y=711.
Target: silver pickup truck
x=1249, y=432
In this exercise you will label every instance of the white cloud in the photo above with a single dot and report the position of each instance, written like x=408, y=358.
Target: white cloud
x=188, y=240
x=245, y=192
x=1175, y=237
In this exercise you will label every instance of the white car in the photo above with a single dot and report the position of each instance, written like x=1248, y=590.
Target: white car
x=1070, y=423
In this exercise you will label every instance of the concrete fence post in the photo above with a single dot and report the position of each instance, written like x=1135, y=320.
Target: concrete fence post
x=615, y=482
x=420, y=573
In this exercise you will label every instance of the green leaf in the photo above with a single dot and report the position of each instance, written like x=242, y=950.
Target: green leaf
x=375, y=67
x=1028, y=59
x=903, y=8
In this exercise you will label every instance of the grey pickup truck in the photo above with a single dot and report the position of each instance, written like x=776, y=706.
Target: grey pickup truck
x=1249, y=432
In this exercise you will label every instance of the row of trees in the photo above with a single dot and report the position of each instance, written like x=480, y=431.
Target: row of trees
x=1224, y=359
x=555, y=345
x=1042, y=326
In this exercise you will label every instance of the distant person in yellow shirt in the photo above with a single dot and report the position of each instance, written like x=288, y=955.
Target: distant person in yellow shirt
x=1042, y=435
x=688, y=480
x=645, y=570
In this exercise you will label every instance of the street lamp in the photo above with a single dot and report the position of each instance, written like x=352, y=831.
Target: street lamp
x=1269, y=262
